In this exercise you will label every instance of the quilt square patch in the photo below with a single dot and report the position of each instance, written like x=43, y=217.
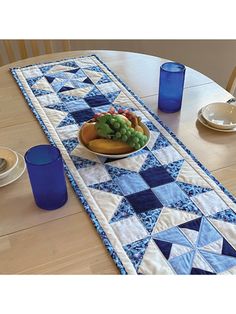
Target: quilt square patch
x=96, y=101
x=131, y=183
x=82, y=115
x=156, y=176
x=170, y=194
x=144, y=201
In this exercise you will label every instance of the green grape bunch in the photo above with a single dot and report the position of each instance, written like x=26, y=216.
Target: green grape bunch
x=117, y=128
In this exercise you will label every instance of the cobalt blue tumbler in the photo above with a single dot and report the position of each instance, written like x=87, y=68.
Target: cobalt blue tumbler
x=46, y=173
x=171, y=86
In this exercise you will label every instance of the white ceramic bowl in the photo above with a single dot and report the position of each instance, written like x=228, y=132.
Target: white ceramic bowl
x=11, y=158
x=115, y=156
x=220, y=115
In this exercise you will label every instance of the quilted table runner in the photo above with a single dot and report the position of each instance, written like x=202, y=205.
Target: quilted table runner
x=159, y=211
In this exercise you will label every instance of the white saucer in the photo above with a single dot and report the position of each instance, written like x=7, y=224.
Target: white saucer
x=204, y=122
x=16, y=173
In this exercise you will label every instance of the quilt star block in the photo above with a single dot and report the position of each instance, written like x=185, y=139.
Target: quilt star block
x=158, y=211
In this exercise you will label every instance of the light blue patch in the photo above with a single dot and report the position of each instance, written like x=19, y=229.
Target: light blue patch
x=170, y=194
x=76, y=105
x=101, y=108
x=182, y=264
x=207, y=233
x=46, y=68
x=218, y=262
x=149, y=218
x=173, y=235
x=124, y=210
x=58, y=85
x=94, y=92
x=131, y=183
x=80, y=74
x=67, y=98
x=79, y=84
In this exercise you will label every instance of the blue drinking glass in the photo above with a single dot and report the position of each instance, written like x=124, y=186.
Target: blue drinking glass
x=46, y=173
x=171, y=86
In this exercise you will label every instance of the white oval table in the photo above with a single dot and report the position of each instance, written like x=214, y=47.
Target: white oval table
x=34, y=241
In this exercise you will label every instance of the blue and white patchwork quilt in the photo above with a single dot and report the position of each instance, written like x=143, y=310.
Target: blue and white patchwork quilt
x=158, y=211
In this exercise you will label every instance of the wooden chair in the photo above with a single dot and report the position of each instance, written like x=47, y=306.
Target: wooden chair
x=13, y=50
x=231, y=86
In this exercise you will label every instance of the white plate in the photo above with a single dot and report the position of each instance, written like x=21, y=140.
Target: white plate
x=220, y=115
x=16, y=172
x=204, y=122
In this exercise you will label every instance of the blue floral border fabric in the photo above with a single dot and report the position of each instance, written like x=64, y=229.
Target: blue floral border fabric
x=159, y=211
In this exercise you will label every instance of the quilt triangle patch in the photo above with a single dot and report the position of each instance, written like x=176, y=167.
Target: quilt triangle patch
x=149, y=218
x=174, y=168
x=93, y=75
x=133, y=163
x=153, y=138
x=207, y=233
x=182, y=264
x=68, y=120
x=165, y=247
x=108, y=186
x=117, y=172
x=192, y=190
x=160, y=142
x=200, y=263
x=219, y=263
x=171, y=217
x=188, y=175
x=192, y=235
x=173, y=235
x=154, y=262
x=150, y=162
x=82, y=162
x=82, y=152
x=70, y=144
x=108, y=202
x=124, y=210
x=42, y=84
x=55, y=116
x=123, y=101
x=136, y=251
x=78, y=92
x=177, y=250
x=215, y=247
x=197, y=271
x=112, y=96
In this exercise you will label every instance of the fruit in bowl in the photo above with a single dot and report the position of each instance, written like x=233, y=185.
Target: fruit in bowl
x=114, y=133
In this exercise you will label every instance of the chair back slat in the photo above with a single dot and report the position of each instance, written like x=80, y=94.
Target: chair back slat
x=48, y=46
x=9, y=50
x=231, y=86
x=34, y=47
x=23, y=50
x=66, y=45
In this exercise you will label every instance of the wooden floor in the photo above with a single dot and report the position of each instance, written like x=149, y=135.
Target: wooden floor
x=34, y=241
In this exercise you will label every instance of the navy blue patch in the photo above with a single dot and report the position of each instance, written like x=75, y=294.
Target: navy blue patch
x=50, y=79
x=98, y=100
x=144, y=201
x=227, y=249
x=192, y=225
x=156, y=176
x=108, y=186
x=87, y=81
x=82, y=115
x=164, y=246
x=65, y=88
x=73, y=70
x=197, y=271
